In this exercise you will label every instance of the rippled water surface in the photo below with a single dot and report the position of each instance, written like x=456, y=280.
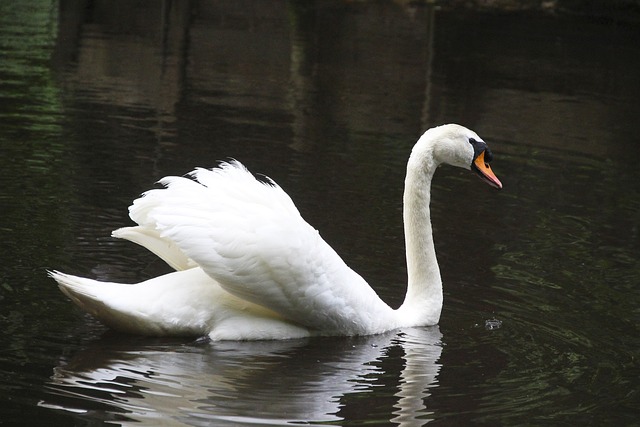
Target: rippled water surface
x=98, y=100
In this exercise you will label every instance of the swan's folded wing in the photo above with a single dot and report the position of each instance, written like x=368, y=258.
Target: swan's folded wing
x=150, y=239
x=249, y=236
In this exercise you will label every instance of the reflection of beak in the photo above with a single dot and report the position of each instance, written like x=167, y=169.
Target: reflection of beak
x=484, y=171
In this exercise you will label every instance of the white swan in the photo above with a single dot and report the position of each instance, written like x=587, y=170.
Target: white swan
x=249, y=267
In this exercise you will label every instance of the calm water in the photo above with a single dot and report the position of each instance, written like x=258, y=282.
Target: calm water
x=99, y=100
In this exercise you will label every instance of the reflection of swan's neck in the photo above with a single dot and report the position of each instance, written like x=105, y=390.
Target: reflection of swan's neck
x=423, y=302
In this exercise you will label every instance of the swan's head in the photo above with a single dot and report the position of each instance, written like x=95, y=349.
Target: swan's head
x=458, y=146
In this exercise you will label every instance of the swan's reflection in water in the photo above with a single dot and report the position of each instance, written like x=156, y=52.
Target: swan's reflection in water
x=385, y=377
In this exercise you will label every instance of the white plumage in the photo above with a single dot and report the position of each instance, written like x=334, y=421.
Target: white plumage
x=250, y=267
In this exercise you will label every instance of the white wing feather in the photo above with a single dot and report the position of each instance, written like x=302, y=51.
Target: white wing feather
x=163, y=248
x=249, y=236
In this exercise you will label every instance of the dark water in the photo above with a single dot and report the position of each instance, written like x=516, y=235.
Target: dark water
x=98, y=100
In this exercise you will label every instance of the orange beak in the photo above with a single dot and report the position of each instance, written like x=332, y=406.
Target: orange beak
x=484, y=171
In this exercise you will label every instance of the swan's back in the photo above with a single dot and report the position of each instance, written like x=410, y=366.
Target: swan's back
x=249, y=236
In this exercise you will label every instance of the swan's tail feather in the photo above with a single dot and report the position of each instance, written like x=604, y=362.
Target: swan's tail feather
x=78, y=289
x=106, y=302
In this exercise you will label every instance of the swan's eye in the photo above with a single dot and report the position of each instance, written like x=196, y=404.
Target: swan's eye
x=478, y=147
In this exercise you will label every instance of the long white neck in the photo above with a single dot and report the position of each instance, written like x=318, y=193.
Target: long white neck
x=423, y=302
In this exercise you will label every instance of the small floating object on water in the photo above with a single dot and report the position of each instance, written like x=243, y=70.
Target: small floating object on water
x=492, y=324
